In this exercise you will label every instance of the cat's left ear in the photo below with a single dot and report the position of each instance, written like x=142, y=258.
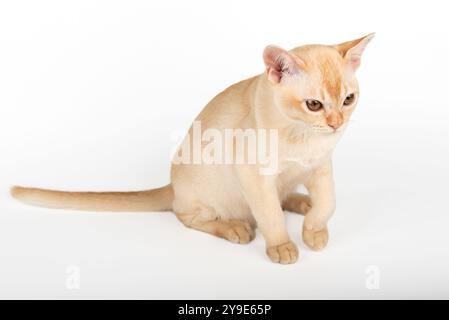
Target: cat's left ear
x=281, y=64
x=352, y=50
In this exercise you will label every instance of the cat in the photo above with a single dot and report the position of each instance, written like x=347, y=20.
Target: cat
x=307, y=96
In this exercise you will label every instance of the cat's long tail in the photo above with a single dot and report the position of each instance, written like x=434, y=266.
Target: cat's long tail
x=160, y=199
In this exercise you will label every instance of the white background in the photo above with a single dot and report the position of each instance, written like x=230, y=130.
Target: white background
x=93, y=93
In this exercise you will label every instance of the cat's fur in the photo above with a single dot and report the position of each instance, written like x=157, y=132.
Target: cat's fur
x=229, y=201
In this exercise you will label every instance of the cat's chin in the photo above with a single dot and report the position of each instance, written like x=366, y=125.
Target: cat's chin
x=325, y=132
x=329, y=132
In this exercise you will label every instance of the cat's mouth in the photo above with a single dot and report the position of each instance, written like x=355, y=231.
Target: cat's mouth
x=328, y=130
x=324, y=130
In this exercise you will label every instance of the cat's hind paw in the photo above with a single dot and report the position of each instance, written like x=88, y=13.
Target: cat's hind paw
x=239, y=232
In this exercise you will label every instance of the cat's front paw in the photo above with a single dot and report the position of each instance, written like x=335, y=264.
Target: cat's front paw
x=315, y=239
x=286, y=253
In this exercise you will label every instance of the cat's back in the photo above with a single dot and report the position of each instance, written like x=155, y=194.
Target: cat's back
x=228, y=108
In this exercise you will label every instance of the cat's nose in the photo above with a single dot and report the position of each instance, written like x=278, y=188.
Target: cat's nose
x=335, y=120
x=335, y=125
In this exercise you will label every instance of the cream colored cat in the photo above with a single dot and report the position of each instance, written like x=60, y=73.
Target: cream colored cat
x=307, y=95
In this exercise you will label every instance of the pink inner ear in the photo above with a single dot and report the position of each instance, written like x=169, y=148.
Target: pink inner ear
x=354, y=59
x=274, y=72
x=354, y=54
x=273, y=63
x=279, y=63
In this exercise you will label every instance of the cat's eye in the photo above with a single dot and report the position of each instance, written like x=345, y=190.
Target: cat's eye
x=314, y=105
x=349, y=99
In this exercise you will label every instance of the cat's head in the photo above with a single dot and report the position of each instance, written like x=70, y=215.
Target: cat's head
x=316, y=84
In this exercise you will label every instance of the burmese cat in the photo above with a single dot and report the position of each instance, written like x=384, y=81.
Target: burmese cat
x=307, y=95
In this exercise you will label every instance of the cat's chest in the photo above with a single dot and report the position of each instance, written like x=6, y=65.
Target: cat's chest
x=297, y=161
x=308, y=154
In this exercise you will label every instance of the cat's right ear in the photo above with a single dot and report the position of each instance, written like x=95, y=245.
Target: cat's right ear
x=352, y=51
x=280, y=64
